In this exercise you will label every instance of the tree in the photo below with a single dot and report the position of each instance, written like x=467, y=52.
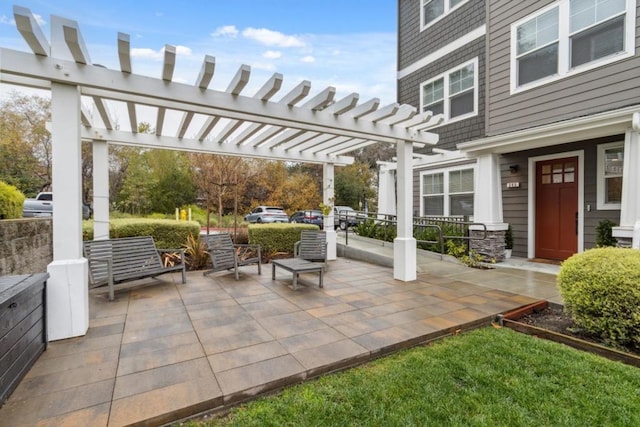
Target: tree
x=25, y=143
x=354, y=185
x=171, y=182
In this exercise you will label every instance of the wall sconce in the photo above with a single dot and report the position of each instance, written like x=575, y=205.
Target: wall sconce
x=514, y=168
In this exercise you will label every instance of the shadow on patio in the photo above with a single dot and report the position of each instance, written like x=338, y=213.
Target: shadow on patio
x=168, y=351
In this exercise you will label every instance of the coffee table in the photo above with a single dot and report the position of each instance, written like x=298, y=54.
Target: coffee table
x=297, y=266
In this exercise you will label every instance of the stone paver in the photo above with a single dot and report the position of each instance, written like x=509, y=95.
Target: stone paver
x=170, y=350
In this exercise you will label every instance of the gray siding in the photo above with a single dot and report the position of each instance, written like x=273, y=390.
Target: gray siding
x=414, y=44
x=457, y=132
x=515, y=200
x=602, y=89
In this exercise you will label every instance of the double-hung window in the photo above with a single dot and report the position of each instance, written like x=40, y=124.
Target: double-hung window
x=434, y=10
x=609, y=171
x=447, y=192
x=568, y=37
x=453, y=94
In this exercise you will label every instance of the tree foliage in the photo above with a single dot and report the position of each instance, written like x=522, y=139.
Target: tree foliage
x=354, y=185
x=25, y=143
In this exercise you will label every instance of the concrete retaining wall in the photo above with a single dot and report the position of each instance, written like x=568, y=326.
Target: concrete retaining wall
x=26, y=245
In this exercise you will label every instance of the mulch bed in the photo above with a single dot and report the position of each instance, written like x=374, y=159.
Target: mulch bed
x=556, y=320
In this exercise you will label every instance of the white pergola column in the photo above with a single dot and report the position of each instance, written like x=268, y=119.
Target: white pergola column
x=488, y=193
x=100, y=190
x=630, y=204
x=404, y=246
x=387, y=190
x=328, y=197
x=67, y=286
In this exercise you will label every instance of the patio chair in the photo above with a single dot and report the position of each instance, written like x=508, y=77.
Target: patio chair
x=312, y=246
x=225, y=255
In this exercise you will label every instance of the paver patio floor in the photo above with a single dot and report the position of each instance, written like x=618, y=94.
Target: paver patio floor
x=170, y=350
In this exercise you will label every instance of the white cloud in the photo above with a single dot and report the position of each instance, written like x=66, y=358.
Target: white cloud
x=272, y=38
x=308, y=59
x=4, y=19
x=225, y=31
x=158, y=55
x=39, y=19
x=272, y=54
x=182, y=50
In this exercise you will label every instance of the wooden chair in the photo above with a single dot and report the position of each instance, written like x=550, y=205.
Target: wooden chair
x=225, y=255
x=312, y=246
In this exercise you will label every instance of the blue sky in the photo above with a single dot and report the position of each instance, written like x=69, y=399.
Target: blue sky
x=348, y=44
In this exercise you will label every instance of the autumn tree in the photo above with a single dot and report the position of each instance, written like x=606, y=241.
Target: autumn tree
x=25, y=143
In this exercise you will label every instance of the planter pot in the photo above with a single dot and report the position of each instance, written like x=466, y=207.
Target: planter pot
x=507, y=253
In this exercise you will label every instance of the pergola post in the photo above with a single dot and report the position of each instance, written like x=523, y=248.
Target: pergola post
x=328, y=195
x=67, y=286
x=100, y=190
x=404, y=246
x=387, y=190
x=630, y=204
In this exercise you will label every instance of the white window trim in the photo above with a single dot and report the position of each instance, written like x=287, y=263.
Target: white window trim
x=445, y=183
x=447, y=11
x=563, y=46
x=600, y=187
x=447, y=96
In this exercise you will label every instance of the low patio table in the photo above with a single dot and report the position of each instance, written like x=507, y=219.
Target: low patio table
x=297, y=266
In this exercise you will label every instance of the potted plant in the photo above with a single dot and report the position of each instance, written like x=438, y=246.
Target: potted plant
x=508, y=242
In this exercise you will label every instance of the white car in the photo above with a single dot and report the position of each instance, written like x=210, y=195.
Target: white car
x=267, y=214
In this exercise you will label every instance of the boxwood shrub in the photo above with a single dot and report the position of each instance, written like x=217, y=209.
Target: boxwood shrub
x=601, y=290
x=276, y=239
x=167, y=233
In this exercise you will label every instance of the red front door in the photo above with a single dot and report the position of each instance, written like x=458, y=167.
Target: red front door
x=557, y=208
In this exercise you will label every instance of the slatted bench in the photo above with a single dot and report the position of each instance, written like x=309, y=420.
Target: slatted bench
x=116, y=261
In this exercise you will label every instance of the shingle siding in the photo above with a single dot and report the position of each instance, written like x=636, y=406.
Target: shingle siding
x=414, y=44
x=605, y=88
x=463, y=130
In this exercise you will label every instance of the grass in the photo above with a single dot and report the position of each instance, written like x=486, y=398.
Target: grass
x=487, y=377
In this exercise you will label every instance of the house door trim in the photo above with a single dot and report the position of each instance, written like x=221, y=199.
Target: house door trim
x=531, y=229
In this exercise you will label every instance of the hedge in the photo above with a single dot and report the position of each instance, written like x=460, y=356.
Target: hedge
x=276, y=238
x=167, y=233
x=11, y=201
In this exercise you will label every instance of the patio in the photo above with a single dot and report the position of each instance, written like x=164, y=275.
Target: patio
x=168, y=351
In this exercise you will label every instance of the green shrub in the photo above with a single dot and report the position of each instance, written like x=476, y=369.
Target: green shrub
x=601, y=290
x=11, y=201
x=604, y=234
x=167, y=233
x=275, y=239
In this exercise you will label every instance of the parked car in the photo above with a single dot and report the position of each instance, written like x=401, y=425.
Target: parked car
x=308, y=217
x=267, y=214
x=344, y=216
x=42, y=206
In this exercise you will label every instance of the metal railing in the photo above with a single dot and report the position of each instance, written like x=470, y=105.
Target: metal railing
x=446, y=228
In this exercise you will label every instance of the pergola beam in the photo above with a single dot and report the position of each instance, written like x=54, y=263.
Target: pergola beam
x=194, y=145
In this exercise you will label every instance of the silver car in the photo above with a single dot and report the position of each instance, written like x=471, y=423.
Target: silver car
x=264, y=214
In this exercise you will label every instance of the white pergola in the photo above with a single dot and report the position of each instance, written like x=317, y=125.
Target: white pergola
x=295, y=127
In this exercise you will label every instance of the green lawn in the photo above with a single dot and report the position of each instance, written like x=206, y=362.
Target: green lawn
x=487, y=377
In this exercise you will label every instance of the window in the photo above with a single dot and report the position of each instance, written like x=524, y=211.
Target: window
x=453, y=94
x=570, y=36
x=434, y=10
x=447, y=193
x=610, y=167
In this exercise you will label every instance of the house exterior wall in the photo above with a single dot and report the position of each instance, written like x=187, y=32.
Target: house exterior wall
x=515, y=201
x=415, y=45
x=608, y=87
